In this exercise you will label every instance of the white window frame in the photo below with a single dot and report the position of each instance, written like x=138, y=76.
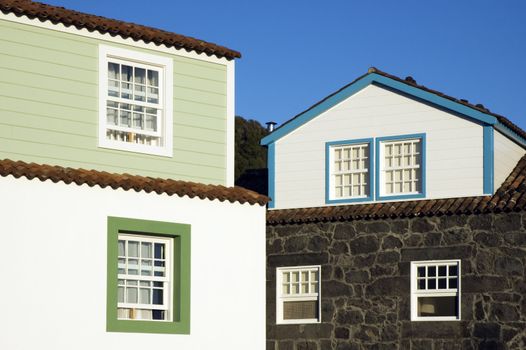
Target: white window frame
x=365, y=171
x=281, y=298
x=382, y=167
x=416, y=293
x=167, y=278
x=165, y=124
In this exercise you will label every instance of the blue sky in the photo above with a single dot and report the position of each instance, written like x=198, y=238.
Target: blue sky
x=297, y=52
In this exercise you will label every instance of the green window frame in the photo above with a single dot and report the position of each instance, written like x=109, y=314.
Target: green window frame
x=180, y=233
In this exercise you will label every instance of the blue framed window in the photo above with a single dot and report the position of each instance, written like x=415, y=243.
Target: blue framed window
x=349, y=167
x=400, y=167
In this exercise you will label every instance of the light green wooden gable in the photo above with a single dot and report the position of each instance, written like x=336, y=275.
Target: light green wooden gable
x=49, y=108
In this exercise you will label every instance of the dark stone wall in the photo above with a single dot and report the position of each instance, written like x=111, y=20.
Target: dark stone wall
x=365, y=282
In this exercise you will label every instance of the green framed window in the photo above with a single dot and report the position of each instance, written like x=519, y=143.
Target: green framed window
x=148, y=279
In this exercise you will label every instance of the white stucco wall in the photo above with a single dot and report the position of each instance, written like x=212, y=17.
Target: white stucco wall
x=53, y=289
x=506, y=156
x=454, y=159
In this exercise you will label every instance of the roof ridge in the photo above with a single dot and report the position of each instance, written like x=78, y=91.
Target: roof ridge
x=57, y=173
x=409, y=80
x=104, y=25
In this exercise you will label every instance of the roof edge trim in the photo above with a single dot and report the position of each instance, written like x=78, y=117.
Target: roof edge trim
x=364, y=81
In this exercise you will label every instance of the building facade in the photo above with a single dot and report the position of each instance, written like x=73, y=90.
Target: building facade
x=396, y=222
x=120, y=222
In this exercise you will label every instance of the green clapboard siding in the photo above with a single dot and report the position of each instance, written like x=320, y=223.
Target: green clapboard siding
x=49, y=108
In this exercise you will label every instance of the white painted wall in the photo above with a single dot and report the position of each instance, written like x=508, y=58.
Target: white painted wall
x=454, y=146
x=53, y=243
x=506, y=156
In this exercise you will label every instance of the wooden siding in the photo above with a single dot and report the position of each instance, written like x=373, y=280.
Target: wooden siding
x=453, y=157
x=49, y=108
x=507, y=153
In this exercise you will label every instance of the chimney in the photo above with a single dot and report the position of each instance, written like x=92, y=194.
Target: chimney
x=270, y=126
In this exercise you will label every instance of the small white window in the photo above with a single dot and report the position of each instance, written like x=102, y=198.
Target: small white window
x=350, y=171
x=298, y=294
x=435, y=290
x=144, y=284
x=400, y=171
x=135, y=101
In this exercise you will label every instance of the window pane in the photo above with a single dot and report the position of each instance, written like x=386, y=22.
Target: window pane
x=453, y=283
x=159, y=251
x=113, y=71
x=146, y=267
x=295, y=276
x=144, y=296
x=127, y=73
x=140, y=75
x=431, y=271
x=442, y=283
x=421, y=271
x=153, y=78
x=158, y=314
x=442, y=270
x=131, y=295
x=133, y=249
x=431, y=284
x=158, y=296
x=453, y=270
x=153, y=95
x=297, y=310
x=285, y=289
x=122, y=251
x=120, y=295
x=422, y=284
x=146, y=250
x=437, y=306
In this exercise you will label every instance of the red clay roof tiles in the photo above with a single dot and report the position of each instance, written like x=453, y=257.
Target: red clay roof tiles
x=103, y=25
x=129, y=182
x=511, y=196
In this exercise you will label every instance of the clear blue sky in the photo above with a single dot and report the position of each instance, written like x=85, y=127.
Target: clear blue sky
x=297, y=52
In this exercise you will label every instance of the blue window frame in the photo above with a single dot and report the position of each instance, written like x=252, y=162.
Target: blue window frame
x=364, y=172
x=418, y=173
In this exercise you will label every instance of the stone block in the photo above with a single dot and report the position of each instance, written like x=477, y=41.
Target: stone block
x=332, y=289
x=435, y=329
x=391, y=242
x=341, y=333
x=487, y=239
x=483, y=284
x=344, y=230
x=285, y=345
x=364, y=244
x=507, y=266
x=388, y=258
x=297, y=259
x=437, y=253
x=393, y=286
x=504, y=312
x=422, y=225
x=486, y=330
x=349, y=317
x=318, y=244
x=306, y=345
x=507, y=222
x=357, y=276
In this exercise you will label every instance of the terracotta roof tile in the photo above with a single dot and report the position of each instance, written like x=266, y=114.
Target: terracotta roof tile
x=129, y=182
x=511, y=196
x=113, y=27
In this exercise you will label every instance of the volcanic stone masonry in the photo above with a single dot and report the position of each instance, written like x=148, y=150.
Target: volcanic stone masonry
x=365, y=284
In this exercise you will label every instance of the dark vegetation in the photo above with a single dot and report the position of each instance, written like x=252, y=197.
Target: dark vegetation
x=251, y=157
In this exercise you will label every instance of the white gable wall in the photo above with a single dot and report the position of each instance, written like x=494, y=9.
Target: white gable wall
x=506, y=156
x=454, y=159
x=54, y=268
